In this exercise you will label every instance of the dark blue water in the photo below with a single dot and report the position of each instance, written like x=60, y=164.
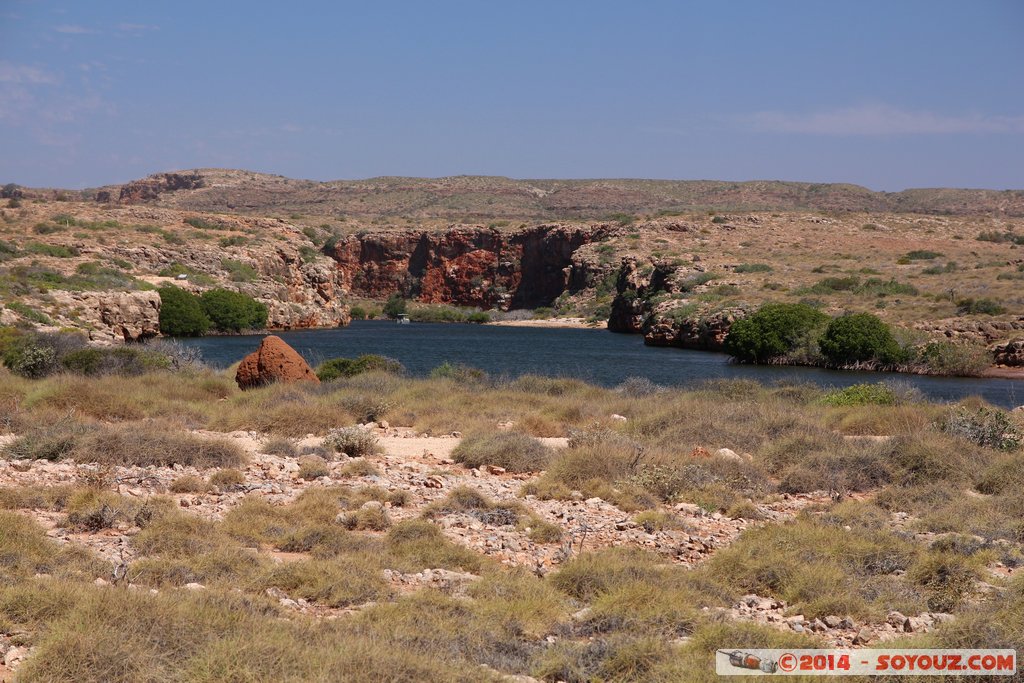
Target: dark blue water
x=596, y=356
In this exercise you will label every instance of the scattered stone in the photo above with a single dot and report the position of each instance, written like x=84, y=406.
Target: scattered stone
x=618, y=418
x=832, y=621
x=14, y=656
x=864, y=636
x=728, y=454
x=194, y=586
x=899, y=622
x=494, y=469
x=700, y=452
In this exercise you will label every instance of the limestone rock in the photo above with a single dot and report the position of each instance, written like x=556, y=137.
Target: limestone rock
x=1010, y=354
x=113, y=316
x=273, y=361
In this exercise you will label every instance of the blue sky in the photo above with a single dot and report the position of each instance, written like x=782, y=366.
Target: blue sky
x=888, y=95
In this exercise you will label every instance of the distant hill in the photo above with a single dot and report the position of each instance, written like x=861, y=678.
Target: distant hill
x=481, y=197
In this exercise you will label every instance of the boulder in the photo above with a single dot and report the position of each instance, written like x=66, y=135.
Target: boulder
x=273, y=361
x=1010, y=354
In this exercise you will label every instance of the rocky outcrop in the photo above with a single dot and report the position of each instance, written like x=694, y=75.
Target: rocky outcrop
x=298, y=294
x=695, y=331
x=653, y=299
x=467, y=266
x=112, y=316
x=973, y=331
x=1009, y=354
x=150, y=188
x=273, y=361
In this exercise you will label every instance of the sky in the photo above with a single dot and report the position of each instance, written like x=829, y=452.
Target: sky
x=888, y=95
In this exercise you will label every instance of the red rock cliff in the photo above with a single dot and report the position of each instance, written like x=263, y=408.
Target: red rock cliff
x=466, y=266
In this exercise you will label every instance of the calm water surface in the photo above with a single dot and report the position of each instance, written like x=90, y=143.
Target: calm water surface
x=596, y=356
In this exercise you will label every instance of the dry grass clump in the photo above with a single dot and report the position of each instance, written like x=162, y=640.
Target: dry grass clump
x=475, y=504
x=657, y=520
x=514, y=451
x=25, y=551
x=125, y=444
x=36, y=497
x=354, y=442
x=311, y=467
x=541, y=531
x=227, y=478
x=99, y=635
x=338, y=582
x=189, y=483
x=359, y=468
x=820, y=568
x=90, y=509
x=430, y=622
x=155, y=444
x=370, y=517
x=280, y=445
x=417, y=544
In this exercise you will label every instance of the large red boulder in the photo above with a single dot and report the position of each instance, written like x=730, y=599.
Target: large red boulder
x=273, y=361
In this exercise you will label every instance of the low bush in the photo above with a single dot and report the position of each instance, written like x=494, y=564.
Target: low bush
x=181, y=313
x=227, y=478
x=987, y=427
x=470, y=501
x=335, y=368
x=983, y=306
x=233, y=311
x=775, y=330
x=189, y=483
x=514, y=451
x=753, y=268
x=354, y=442
x=950, y=358
x=395, y=306
x=859, y=338
x=311, y=467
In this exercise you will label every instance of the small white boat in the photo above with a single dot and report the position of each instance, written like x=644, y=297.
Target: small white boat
x=402, y=319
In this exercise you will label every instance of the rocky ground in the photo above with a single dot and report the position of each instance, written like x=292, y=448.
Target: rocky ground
x=421, y=466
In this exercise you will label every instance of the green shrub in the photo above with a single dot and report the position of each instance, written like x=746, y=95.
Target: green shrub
x=350, y=367
x=233, y=241
x=478, y=317
x=29, y=357
x=753, y=268
x=773, y=331
x=29, y=313
x=238, y=271
x=181, y=313
x=233, y=311
x=922, y=255
x=950, y=267
x=984, y=306
x=395, y=306
x=858, y=338
x=55, y=250
x=357, y=313
x=206, y=224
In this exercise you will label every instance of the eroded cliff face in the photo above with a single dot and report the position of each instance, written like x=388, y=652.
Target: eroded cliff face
x=653, y=299
x=481, y=267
